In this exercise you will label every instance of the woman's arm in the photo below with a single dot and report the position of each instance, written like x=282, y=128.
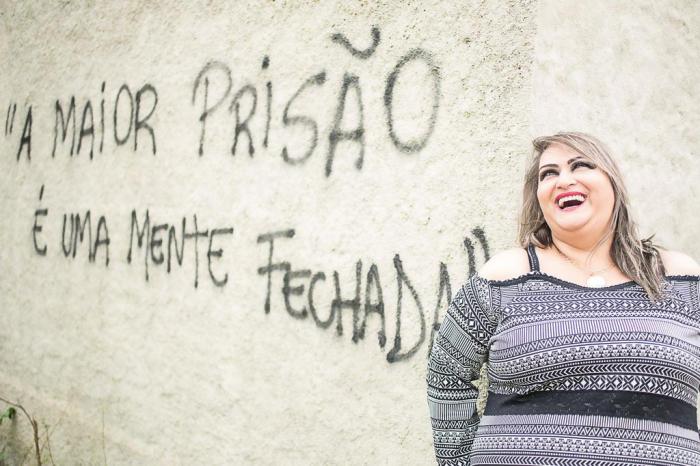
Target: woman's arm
x=459, y=349
x=677, y=263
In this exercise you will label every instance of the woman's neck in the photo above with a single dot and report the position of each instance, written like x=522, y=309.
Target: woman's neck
x=584, y=252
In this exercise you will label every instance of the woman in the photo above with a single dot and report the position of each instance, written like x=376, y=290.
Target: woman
x=592, y=335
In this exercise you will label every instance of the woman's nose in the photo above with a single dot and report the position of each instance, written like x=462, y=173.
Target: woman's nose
x=565, y=179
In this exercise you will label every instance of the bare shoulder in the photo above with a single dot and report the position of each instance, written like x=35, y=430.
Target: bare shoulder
x=678, y=263
x=506, y=264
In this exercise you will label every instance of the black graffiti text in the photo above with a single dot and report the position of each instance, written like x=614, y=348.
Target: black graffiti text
x=164, y=244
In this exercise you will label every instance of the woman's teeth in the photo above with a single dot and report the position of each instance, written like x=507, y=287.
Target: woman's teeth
x=569, y=201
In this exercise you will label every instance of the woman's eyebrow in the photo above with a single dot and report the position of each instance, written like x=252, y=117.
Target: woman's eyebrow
x=570, y=161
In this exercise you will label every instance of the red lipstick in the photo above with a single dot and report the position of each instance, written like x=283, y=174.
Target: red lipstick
x=568, y=193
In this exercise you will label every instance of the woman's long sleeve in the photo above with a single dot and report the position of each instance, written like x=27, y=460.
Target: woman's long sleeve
x=459, y=349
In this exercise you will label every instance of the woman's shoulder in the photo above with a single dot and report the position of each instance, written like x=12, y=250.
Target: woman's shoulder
x=678, y=263
x=507, y=264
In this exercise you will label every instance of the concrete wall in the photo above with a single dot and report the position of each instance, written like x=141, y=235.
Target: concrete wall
x=378, y=161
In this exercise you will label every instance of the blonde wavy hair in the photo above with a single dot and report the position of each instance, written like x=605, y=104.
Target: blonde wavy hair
x=637, y=258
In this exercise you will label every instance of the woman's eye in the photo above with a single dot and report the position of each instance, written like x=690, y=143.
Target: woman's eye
x=546, y=173
x=578, y=164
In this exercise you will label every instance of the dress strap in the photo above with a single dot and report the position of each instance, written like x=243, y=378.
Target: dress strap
x=532, y=258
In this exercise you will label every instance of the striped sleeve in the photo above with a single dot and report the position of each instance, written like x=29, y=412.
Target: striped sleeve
x=459, y=349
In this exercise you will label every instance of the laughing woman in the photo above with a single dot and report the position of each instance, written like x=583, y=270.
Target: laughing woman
x=592, y=335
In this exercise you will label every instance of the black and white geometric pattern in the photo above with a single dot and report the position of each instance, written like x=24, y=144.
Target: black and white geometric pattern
x=578, y=376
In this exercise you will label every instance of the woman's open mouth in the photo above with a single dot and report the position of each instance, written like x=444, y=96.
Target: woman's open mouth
x=569, y=202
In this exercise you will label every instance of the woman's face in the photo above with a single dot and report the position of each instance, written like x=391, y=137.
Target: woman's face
x=575, y=196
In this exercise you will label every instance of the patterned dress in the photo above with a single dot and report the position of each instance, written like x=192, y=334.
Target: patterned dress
x=578, y=376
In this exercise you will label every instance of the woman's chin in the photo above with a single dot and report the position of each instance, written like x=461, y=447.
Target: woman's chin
x=570, y=223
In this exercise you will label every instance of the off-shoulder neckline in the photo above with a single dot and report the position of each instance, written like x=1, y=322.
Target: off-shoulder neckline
x=560, y=281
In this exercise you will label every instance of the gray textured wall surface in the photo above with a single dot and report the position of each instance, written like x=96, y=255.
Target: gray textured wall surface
x=626, y=71
x=377, y=162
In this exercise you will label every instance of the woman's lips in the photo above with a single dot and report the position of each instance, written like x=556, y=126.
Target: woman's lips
x=568, y=194
x=571, y=207
x=575, y=198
